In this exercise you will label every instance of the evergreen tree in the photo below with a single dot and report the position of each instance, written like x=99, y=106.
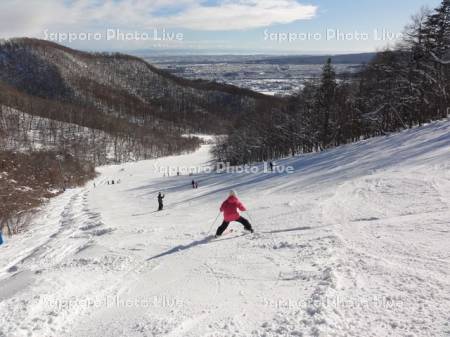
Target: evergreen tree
x=326, y=96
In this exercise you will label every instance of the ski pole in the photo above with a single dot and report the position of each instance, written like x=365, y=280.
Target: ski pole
x=212, y=225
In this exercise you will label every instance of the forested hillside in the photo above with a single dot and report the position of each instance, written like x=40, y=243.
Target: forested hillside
x=119, y=85
x=136, y=104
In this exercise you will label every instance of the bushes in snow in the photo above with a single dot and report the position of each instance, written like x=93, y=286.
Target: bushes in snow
x=28, y=179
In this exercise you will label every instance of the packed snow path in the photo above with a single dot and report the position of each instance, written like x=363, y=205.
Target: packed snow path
x=356, y=242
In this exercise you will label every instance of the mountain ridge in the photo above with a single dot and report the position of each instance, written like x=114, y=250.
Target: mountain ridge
x=120, y=84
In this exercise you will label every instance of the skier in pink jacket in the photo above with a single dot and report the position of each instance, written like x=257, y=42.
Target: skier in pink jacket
x=230, y=209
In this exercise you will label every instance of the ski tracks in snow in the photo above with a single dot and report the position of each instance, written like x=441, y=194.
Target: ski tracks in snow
x=393, y=270
x=38, y=286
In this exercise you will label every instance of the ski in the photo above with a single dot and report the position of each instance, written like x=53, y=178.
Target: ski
x=227, y=232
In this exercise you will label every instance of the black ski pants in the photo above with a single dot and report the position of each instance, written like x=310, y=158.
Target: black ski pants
x=225, y=224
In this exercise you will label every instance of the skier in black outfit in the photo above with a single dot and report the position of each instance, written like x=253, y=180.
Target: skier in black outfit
x=160, y=201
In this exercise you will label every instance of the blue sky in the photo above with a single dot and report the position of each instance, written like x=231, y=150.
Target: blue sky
x=249, y=26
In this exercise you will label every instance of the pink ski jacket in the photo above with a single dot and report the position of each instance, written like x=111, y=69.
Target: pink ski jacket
x=230, y=209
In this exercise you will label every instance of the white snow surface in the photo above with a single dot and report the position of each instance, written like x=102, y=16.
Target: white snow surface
x=355, y=242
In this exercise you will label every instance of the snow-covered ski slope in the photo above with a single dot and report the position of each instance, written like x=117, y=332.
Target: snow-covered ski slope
x=356, y=242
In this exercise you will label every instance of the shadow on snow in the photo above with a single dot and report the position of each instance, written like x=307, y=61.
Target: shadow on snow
x=193, y=244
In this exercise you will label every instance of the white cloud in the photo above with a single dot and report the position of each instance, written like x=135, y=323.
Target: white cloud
x=28, y=18
x=243, y=14
x=32, y=17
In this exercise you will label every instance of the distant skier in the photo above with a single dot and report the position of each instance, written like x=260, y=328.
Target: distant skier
x=230, y=209
x=196, y=184
x=193, y=183
x=271, y=166
x=160, y=201
x=1, y=239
